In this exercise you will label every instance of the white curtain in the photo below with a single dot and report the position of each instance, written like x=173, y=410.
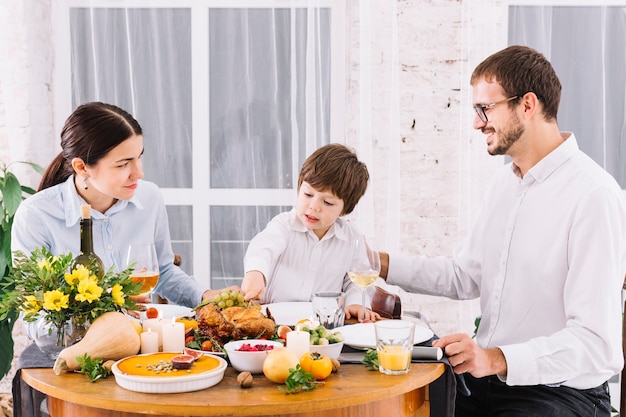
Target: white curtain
x=231, y=100
x=587, y=48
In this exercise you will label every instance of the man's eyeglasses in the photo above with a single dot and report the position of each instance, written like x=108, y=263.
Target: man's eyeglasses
x=480, y=108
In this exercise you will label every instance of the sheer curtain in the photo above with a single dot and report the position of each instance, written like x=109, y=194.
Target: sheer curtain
x=586, y=47
x=231, y=99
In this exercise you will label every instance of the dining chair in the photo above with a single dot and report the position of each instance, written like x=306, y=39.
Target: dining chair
x=386, y=304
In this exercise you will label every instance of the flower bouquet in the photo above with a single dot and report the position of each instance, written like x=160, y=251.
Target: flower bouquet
x=57, y=292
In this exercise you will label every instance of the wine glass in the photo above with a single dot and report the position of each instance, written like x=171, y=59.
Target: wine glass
x=142, y=257
x=364, y=268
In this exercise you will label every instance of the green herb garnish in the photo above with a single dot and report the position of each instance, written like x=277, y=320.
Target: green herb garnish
x=371, y=360
x=93, y=369
x=299, y=380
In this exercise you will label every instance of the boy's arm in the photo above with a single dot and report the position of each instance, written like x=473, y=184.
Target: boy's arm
x=253, y=285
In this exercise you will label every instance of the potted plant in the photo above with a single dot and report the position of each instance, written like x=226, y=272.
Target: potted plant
x=12, y=193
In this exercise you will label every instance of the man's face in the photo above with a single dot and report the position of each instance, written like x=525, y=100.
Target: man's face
x=503, y=127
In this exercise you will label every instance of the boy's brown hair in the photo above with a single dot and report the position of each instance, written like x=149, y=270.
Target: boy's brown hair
x=336, y=168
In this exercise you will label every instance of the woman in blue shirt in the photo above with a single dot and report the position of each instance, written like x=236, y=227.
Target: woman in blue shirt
x=100, y=164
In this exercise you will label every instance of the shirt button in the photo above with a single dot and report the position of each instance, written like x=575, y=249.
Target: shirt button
x=106, y=219
x=109, y=247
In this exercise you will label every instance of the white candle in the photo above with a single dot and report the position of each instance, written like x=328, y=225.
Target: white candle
x=155, y=325
x=149, y=342
x=173, y=336
x=298, y=342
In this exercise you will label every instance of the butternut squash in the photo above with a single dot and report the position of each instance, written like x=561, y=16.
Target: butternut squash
x=110, y=337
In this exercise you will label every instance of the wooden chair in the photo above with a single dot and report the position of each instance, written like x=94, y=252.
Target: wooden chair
x=386, y=304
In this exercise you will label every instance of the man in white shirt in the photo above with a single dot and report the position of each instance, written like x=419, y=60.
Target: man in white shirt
x=546, y=256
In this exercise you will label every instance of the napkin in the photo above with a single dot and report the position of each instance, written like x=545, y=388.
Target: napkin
x=27, y=401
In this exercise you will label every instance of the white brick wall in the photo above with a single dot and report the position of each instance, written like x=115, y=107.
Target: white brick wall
x=428, y=168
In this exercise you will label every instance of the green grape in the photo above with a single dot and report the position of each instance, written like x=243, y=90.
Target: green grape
x=221, y=304
x=217, y=298
x=230, y=302
x=240, y=298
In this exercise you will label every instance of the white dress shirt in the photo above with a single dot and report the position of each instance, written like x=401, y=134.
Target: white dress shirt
x=51, y=218
x=296, y=263
x=547, y=256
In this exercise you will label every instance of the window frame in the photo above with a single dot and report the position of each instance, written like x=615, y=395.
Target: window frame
x=201, y=196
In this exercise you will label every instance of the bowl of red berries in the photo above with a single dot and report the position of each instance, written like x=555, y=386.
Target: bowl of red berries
x=249, y=354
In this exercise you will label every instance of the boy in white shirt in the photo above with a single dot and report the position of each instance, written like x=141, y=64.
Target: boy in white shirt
x=309, y=248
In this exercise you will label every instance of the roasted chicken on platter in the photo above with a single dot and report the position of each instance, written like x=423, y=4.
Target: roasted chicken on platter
x=233, y=323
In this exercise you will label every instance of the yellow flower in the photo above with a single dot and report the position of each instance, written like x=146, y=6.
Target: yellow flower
x=88, y=289
x=55, y=300
x=78, y=275
x=31, y=305
x=43, y=264
x=117, y=295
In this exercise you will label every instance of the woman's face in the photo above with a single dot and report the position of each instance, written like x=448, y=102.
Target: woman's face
x=116, y=174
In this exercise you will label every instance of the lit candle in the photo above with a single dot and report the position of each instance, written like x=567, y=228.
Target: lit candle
x=173, y=336
x=155, y=325
x=298, y=342
x=149, y=342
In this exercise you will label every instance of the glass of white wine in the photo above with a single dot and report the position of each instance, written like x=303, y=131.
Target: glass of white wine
x=142, y=257
x=364, y=268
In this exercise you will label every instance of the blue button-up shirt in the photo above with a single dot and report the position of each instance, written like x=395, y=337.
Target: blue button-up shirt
x=51, y=218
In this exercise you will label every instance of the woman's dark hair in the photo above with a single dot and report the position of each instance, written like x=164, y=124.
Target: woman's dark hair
x=91, y=131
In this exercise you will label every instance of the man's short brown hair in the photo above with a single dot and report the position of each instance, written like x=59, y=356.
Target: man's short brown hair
x=520, y=70
x=337, y=169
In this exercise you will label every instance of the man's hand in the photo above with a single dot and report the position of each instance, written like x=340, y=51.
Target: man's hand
x=253, y=285
x=466, y=356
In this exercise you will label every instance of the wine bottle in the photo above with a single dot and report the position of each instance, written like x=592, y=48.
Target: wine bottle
x=87, y=256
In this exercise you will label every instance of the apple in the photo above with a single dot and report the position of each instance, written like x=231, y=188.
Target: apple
x=277, y=364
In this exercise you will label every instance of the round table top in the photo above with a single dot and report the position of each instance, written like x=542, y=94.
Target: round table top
x=352, y=385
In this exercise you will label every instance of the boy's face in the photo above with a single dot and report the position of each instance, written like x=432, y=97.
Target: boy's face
x=316, y=209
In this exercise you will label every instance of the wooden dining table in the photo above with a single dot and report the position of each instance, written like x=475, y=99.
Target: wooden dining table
x=352, y=391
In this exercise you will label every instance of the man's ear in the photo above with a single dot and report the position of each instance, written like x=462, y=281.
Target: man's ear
x=80, y=168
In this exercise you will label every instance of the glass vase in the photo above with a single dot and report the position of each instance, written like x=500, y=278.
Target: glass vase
x=51, y=338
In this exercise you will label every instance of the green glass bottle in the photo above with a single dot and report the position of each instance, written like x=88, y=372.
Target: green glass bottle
x=87, y=256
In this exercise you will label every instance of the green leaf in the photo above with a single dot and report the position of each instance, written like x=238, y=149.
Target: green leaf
x=6, y=349
x=11, y=194
x=370, y=360
x=299, y=380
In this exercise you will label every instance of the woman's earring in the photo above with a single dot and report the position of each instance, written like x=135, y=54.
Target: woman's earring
x=86, y=187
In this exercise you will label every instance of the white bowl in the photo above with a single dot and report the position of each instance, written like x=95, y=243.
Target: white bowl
x=160, y=385
x=332, y=350
x=248, y=361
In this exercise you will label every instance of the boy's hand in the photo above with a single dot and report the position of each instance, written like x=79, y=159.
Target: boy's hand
x=253, y=285
x=354, y=310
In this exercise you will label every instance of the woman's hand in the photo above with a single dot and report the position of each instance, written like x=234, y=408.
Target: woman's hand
x=253, y=285
x=354, y=310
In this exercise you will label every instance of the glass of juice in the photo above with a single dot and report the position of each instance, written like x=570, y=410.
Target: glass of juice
x=394, y=344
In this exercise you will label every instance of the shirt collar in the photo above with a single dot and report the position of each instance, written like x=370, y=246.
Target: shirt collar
x=551, y=162
x=72, y=202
